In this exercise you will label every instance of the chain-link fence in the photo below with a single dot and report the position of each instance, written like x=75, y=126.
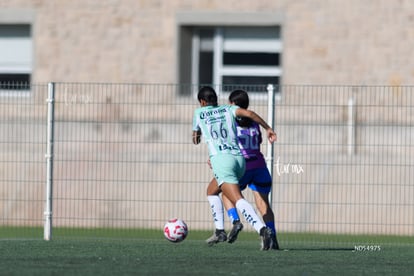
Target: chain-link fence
x=123, y=157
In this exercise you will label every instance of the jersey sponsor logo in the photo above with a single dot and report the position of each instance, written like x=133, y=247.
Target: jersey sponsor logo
x=205, y=114
x=213, y=120
x=227, y=147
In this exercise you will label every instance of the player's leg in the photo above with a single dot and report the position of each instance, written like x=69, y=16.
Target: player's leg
x=261, y=186
x=228, y=169
x=232, y=210
x=235, y=219
x=233, y=193
x=263, y=205
x=216, y=207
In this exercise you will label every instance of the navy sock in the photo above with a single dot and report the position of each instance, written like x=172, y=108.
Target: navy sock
x=271, y=225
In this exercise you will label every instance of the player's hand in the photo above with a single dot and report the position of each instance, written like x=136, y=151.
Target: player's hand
x=271, y=135
x=196, y=137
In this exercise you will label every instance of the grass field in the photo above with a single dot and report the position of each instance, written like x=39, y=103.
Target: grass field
x=151, y=254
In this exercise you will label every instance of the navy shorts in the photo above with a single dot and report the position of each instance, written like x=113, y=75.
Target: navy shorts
x=258, y=180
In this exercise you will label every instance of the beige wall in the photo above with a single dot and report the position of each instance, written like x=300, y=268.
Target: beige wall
x=325, y=42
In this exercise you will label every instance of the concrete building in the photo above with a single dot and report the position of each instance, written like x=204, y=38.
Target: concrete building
x=145, y=41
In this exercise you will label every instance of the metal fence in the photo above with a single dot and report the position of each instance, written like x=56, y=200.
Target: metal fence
x=123, y=157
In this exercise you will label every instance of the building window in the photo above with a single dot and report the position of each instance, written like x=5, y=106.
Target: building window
x=232, y=56
x=15, y=57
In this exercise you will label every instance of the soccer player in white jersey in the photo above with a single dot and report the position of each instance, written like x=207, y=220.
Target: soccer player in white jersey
x=257, y=177
x=216, y=123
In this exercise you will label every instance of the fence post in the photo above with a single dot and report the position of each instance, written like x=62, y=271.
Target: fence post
x=351, y=126
x=270, y=121
x=49, y=162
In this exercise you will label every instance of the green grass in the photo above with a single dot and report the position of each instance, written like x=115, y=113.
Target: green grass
x=80, y=252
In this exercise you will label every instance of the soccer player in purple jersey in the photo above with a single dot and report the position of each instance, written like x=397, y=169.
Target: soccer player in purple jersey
x=256, y=177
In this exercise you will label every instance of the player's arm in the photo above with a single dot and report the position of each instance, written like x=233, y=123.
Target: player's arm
x=241, y=112
x=196, y=137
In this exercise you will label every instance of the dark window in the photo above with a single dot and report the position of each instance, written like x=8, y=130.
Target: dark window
x=262, y=59
x=14, y=81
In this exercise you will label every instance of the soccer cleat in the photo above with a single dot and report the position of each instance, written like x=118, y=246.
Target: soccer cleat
x=237, y=227
x=218, y=236
x=266, y=235
x=275, y=244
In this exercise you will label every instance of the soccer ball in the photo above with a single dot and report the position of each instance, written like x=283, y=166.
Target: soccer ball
x=175, y=230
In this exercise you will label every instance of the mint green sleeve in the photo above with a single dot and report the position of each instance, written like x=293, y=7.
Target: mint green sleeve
x=196, y=126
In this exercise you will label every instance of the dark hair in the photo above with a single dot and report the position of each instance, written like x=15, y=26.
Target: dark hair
x=241, y=99
x=208, y=94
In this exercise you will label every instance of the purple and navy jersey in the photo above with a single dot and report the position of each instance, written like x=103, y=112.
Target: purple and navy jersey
x=249, y=140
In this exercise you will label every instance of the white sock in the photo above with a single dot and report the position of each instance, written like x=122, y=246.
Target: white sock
x=247, y=210
x=216, y=206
